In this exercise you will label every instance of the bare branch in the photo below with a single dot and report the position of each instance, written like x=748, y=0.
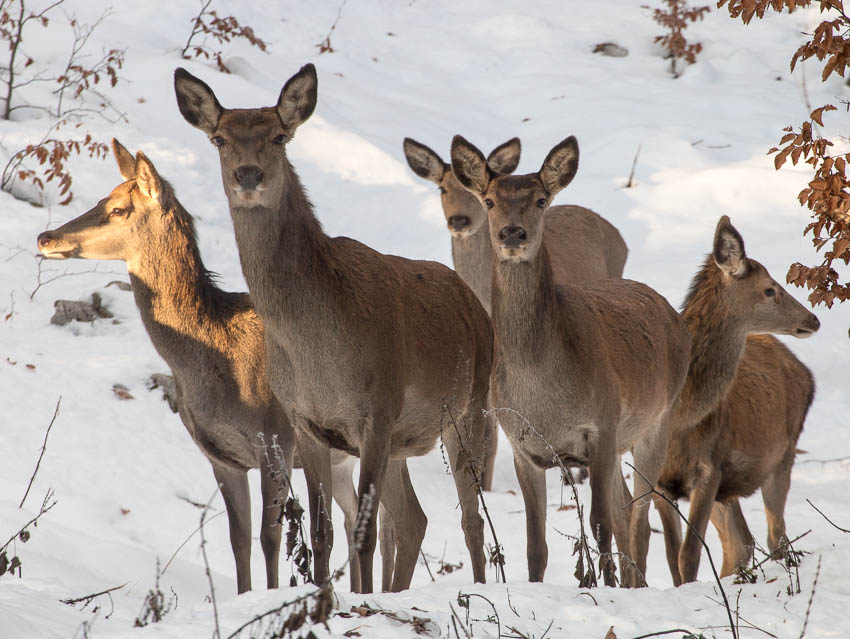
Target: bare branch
x=41, y=454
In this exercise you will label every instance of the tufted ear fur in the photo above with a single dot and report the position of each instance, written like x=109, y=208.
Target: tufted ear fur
x=729, y=253
x=469, y=166
x=147, y=179
x=424, y=162
x=126, y=161
x=504, y=159
x=196, y=101
x=298, y=98
x=560, y=166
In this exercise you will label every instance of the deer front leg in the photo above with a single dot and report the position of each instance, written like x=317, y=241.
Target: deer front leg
x=672, y=524
x=774, y=491
x=532, y=483
x=735, y=535
x=407, y=520
x=702, y=502
x=274, y=490
x=316, y=459
x=491, y=444
x=346, y=497
x=603, y=463
x=237, y=502
x=386, y=538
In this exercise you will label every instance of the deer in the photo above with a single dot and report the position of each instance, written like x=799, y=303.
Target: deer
x=731, y=429
x=198, y=328
x=582, y=245
x=582, y=372
x=372, y=354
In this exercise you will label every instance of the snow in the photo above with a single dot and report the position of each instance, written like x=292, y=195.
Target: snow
x=426, y=69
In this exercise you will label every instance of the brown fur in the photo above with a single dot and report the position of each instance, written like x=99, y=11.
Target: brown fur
x=365, y=350
x=731, y=432
x=570, y=367
x=195, y=326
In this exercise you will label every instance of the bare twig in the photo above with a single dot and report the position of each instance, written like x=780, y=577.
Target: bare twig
x=631, y=183
x=87, y=599
x=811, y=598
x=41, y=454
x=844, y=530
x=217, y=633
x=45, y=507
x=196, y=28
x=463, y=600
x=665, y=632
x=427, y=567
x=325, y=45
x=186, y=541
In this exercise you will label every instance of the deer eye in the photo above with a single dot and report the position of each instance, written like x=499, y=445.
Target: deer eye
x=541, y=203
x=217, y=141
x=279, y=140
x=116, y=212
x=769, y=292
x=441, y=190
x=488, y=203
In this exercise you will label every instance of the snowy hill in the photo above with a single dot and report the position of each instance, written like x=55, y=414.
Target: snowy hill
x=427, y=69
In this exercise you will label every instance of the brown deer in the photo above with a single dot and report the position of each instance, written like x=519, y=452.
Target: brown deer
x=581, y=372
x=372, y=354
x=581, y=244
x=213, y=342
x=730, y=435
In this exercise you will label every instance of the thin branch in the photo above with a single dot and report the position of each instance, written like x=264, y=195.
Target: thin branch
x=664, y=632
x=87, y=598
x=630, y=183
x=196, y=29
x=45, y=507
x=811, y=598
x=217, y=633
x=844, y=530
x=427, y=567
x=186, y=541
x=41, y=454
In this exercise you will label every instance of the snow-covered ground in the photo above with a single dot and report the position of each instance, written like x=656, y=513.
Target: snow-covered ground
x=426, y=69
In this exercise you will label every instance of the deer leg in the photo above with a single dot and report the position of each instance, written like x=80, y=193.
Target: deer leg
x=316, y=459
x=672, y=525
x=491, y=444
x=735, y=536
x=603, y=464
x=408, y=520
x=774, y=491
x=461, y=443
x=702, y=502
x=345, y=495
x=374, y=456
x=532, y=482
x=386, y=538
x=274, y=491
x=622, y=517
x=237, y=502
x=649, y=453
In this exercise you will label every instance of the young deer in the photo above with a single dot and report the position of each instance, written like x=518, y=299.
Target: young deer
x=372, y=354
x=730, y=435
x=582, y=245
x=195, y=326
x=570, y=370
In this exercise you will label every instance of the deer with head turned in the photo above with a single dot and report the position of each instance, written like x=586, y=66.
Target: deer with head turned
x=213, y=342
x=736, y=422
x=368, y=352
x=581, y=372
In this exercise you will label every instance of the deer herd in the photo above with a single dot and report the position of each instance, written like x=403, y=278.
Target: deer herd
x=341, y=352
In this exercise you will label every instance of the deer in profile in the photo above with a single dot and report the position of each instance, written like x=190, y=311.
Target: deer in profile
x=581, y=372
x=582, y=245
x=372, y=354
x=213, y=342
x=736, y=422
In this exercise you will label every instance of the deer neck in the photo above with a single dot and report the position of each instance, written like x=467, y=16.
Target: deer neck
x=718, y=343
x=473, y=259
x=179, y=305
x=526, y=306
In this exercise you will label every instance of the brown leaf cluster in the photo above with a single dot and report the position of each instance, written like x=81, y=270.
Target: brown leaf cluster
x=223, y=30
x=675, y=19
x=746, y=9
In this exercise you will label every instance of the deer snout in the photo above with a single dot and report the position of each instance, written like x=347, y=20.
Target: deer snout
x=809, y=326
x=45, y=239
x=512, y=236
x=50, y=244
x=249, y=177
x=459, y=222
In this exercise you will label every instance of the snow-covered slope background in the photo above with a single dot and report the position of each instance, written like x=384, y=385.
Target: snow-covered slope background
x=427, y=69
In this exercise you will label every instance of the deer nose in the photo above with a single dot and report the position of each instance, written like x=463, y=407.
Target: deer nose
x=512, y=235
x=44, y=239
x=459, y=222
x=249, y=177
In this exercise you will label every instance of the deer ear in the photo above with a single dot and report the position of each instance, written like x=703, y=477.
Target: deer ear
x=729, y=253
x=505, y=158
x=424, y=162
x=469, y=166
x=147, y=179
x=298, y=97
x=560, y=166
x=126, y=161
x=196, y=101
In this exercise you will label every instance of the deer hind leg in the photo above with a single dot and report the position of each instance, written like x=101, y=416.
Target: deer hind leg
x=491, y=444
x=735, y=536
x=316, y=459
x=408, y=521
x=774, y=491
x=387, y=540
x=622, y=517
x=237, y=502
x=346, y=497
x=274, y=490
x=462, y=436
x=603, y=464
x=532, y=482
x=672, y=524
x=702, y=502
